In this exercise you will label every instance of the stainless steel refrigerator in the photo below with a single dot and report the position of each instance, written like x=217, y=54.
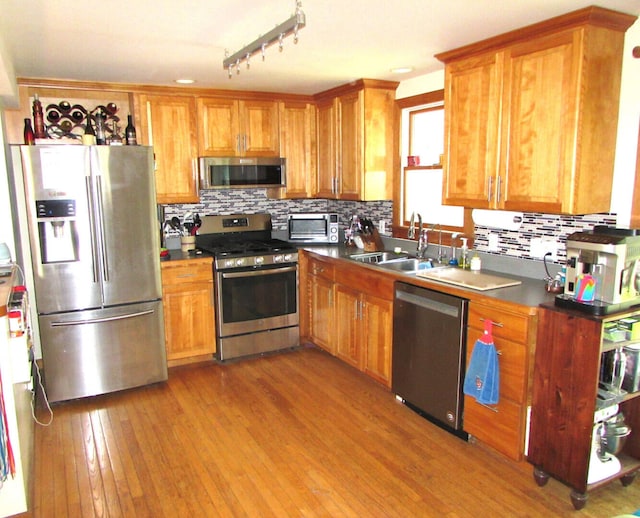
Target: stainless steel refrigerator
x=87, y=236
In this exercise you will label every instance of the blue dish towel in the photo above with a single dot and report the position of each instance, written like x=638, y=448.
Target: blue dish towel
x=482, y=379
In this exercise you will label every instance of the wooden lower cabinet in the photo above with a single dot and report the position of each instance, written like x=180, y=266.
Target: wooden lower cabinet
x=503, y=426
x=189, y=319
x=350, y=314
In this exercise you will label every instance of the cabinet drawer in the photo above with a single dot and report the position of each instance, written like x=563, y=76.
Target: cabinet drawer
x=498, y=426
x=365, y=281
x=186, y=271
x=512, y=361
x=509, y=325
x=322, y=269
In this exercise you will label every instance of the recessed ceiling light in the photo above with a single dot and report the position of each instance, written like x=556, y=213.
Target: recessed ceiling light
x=401, y=70
x=185, y=81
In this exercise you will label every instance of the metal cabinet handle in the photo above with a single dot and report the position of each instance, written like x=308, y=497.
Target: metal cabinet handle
x=490, y=407
x=490, y=189
x=498, y=189
x=497, y=324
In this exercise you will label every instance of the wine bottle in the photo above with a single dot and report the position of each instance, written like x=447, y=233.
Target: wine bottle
x=38, y=118
x=101, y=133
x=130, y=132
x=89, y=137
x=29, y=135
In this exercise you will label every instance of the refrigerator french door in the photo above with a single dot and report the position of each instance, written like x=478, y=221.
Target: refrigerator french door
x=88, y=229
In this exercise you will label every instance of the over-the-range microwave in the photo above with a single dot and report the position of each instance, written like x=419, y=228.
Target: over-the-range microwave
x=241, y=172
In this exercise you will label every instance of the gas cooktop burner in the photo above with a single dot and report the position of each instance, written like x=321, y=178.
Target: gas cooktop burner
x=229, y=248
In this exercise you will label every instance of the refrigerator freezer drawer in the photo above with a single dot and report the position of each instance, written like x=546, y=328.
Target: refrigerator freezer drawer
x=86, y=353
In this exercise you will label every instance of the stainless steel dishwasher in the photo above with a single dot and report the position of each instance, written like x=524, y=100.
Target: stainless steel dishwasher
x=429, y=335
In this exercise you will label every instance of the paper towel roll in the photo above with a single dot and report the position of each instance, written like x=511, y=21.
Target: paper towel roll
x=501, y=219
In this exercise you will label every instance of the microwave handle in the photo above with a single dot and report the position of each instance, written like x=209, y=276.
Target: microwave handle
x=204, y=175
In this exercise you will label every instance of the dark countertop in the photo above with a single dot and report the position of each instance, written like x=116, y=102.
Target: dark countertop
x=529, y=294
x=179, y=255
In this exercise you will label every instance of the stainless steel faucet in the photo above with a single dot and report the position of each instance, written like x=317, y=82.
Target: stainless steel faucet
x=411, y=234
x=423, y=243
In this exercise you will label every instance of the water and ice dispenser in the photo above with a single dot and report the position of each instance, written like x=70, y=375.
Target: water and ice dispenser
x=57, y=230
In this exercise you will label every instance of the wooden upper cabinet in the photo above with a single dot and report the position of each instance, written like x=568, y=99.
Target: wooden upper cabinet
x=230, y=127
x=168, y=123
x=472, y=115
x=298, y=147
x=356, y=141
x=531, y=116
x=327, y=139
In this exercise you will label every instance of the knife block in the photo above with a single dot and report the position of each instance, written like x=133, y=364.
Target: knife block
x=372, y=242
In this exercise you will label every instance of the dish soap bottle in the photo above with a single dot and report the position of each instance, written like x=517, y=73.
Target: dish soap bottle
x=464, y=254
x=476, y=263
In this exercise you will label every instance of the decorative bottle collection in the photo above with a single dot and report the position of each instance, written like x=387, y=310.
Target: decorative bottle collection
x=65, y=120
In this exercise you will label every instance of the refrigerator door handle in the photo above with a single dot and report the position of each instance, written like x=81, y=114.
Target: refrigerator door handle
x=97, y=174
x=100, y=320
x=92, y=226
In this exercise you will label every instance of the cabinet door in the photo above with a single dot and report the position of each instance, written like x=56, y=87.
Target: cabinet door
x=259, y=124
x=326, y=133
x=169, y=125
x=351, y=149
x=472, y=114
x=539, y=123
x=189, y=320
x=219, y=127
x=348, y=325
x=322, y=313
x=377, y=338
x=297, y=145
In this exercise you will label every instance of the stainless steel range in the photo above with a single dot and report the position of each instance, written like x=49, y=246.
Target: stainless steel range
x=256, y=285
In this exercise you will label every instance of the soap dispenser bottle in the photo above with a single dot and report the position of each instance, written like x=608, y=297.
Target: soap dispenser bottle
x=464, y=254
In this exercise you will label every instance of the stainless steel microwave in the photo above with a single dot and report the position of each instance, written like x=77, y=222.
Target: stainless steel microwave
x=241, y=172
x=314, y=228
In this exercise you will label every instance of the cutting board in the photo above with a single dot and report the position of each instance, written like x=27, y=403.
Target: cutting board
x=468, y=279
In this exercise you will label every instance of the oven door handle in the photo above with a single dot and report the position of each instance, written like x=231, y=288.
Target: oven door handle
x=255, y=273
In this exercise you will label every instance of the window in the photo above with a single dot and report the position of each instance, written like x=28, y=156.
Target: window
x=420, y=189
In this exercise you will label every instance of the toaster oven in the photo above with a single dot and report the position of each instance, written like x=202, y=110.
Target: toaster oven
x=314, y=228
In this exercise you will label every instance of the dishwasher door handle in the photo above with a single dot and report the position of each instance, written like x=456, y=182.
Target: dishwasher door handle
x=434, y=305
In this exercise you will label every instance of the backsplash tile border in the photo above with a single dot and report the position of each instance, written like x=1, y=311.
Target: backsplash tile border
x=511, y=243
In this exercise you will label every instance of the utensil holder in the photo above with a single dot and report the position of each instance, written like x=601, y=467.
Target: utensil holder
x=188, y=243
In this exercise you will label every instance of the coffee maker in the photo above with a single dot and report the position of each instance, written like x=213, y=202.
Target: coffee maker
x=609, y=258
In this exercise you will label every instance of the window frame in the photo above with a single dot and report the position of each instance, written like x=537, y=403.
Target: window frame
x=400, y=226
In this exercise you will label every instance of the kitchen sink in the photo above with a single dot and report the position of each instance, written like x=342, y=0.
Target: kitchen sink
x=377, y=257
x=410, y=264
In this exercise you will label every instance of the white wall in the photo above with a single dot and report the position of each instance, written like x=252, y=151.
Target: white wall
x=629, y=117
x=6, y=228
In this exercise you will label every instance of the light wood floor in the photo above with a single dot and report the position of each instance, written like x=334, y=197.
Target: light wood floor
x=293, y=434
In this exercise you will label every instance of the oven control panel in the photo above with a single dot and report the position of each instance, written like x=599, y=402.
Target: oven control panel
x=226, y=263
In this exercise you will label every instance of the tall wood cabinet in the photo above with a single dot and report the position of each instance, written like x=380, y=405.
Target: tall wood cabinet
x=356, y=125
x=566, y=375
x=189, y=317
x=168, y=123
x=236, y=127
x=321, y=300
x=531, y=116
x=298, y=146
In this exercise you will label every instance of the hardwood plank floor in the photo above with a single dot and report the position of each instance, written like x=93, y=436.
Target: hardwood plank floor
x=297, y=434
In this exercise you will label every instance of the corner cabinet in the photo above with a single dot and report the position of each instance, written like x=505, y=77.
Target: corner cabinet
x=531, y=116
x=189, y=316
x=349, y=314
x=503, y=426
x=232, y=127
x=168, y=123
x=356, y=141
x=566, y=376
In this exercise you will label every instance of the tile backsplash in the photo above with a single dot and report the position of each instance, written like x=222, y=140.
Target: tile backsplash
x=512, y=243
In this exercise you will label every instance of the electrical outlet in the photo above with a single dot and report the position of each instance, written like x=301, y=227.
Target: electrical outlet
x=494, y=244
x=543, y=246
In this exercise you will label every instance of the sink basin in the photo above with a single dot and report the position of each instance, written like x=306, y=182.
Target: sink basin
x=377, y=257
x=409, y=264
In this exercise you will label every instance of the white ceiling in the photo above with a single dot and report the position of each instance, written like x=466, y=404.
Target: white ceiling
x=157, y=41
